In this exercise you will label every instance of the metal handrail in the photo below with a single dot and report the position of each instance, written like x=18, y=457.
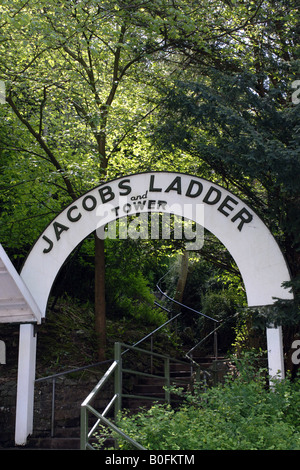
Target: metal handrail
x=59, y=374
x=71, y=371
x=117, y=369
x=150, y=335
x=214, y=331
x=180, y=304
x=156, y=329
x=85, y=434
x=53, y=379
x=86, y=407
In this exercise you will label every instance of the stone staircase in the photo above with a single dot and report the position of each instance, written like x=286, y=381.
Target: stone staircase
x=181, y=375
x=153, y=388
x=67, y=438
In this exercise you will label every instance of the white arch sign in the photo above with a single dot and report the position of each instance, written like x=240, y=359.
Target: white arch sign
x=242, y=232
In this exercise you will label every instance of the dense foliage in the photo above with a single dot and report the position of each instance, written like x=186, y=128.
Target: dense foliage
x=241, y=414
x=98, y=89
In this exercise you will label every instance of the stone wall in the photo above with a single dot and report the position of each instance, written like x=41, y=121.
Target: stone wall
x=8, y=389
x=69, y=394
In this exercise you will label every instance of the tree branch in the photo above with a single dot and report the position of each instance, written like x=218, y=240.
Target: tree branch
x=41, y=112
x=44, y=146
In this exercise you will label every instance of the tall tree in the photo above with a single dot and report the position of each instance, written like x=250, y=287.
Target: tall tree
x=237, y=120
x=80, y=78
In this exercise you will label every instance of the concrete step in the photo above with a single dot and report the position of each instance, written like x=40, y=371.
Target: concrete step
x=58, y=443
x=180, y=373
x=208, y=361
x=53, y=443
x=178, y=365
x=148, y=389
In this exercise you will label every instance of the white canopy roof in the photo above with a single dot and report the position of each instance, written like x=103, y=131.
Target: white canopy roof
x=16, y=303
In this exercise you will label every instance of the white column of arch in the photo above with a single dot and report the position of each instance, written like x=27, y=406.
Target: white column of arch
x=25, y=388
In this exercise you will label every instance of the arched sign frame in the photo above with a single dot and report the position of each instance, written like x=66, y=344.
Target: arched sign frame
x=248, y=240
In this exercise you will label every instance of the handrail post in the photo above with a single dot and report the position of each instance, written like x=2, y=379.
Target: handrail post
x=198, y=374
x=83, y=427
x=216, y=345
x=53, y=408
x=151, y=356
x=118, y=379
x=167, y=379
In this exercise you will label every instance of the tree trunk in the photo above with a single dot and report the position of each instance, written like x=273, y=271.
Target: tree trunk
x=184, y=264
x=100, y=304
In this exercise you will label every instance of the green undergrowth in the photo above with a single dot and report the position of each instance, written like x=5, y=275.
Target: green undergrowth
x=67, y=338
x=241, y=414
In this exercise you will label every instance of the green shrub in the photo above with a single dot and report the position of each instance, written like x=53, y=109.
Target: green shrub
x=241, y=414
x=128, y=295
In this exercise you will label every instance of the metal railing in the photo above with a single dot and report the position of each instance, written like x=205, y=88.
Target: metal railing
x=54, y=377
x=215, y=343
x=117, y=399
x=193, y=364
x=116, y=370
x=203, y=315
x=176, y=302
x=188, y=355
